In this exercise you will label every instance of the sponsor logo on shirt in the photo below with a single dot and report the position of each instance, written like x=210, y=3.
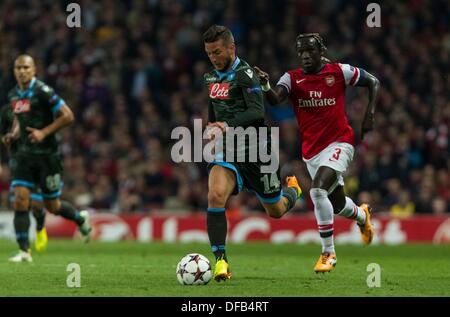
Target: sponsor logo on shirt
x=219, y=91
x=313, y=102
x=210, y=79
x=21, y=106
x=254, y=90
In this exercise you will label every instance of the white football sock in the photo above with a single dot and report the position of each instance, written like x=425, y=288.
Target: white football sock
x=323, y=209
x=351, y=211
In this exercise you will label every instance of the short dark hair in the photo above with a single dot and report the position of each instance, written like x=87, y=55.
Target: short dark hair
x=217, y=32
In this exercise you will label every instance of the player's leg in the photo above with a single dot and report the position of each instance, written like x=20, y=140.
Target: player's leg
x=324, y=179
x=66, y=210
x=344, y=206
x=22, y=183
x=326, y=170
x=22, y=222
x=221, y=184
x=51, y=185
x=278, y=206
x=38, y=211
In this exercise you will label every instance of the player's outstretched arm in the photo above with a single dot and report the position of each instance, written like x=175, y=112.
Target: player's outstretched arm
x=373, y=84
x=274, y=96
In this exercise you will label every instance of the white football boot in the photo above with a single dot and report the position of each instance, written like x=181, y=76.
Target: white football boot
x=21, y=256
x=85, y=228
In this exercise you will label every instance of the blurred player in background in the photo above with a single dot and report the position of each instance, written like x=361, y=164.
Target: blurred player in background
x=39, y=114
x=37, y=206
x=236, y=100
x=317, y=92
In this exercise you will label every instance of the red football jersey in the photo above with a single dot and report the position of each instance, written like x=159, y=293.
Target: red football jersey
x=318, y=103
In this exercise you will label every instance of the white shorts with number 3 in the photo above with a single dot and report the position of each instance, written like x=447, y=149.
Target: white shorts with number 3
x=337, y=156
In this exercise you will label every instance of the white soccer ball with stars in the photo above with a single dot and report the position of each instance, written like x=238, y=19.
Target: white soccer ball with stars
x=194, y=269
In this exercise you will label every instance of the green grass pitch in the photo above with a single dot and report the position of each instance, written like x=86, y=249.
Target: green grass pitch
x=260, y=269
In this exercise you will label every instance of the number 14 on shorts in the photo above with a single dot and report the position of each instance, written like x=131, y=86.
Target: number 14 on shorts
x=271, y=185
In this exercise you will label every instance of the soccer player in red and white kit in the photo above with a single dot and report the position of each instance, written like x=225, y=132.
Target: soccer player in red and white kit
x=317, y=91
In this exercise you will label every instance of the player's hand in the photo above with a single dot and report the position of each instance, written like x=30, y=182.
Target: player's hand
x=325, y=60
x=215, y=129
x=8, y=138
x=367, y=125
x=263, y=76
x=221, y=125
x=35, y=135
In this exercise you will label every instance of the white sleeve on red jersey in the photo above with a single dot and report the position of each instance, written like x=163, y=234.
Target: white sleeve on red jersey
x=351, y=74
x=285, y=81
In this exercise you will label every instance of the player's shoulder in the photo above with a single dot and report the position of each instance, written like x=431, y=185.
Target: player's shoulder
x=334, y=66
x=337, y=69
x=344, y=67
x=41, y=86
x=244, y=71
x=12, y=93
x=242, y=66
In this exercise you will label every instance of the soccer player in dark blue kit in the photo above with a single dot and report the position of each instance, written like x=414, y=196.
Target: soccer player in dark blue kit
x=39, y=114
x=236, y=101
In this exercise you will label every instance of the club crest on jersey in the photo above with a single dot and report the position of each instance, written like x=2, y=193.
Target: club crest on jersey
x=21, y=106
x=219, y=91
x=329, y=80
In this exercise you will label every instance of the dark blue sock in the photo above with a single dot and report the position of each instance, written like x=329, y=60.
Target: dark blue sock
x=68, y=211
x=216, y=221
x=39, y=215
x=21, y=226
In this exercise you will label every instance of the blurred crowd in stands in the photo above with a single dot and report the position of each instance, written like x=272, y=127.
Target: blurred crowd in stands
x=134, y=71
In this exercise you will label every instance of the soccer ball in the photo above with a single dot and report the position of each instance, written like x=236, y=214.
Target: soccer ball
x=194, y=269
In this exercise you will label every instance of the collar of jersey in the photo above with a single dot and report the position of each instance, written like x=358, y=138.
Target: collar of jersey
x=27, y=93
x=222, y=75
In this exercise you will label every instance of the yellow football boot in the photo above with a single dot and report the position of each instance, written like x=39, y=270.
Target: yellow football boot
x=367, y=231
x=292, y=182
x=326, y=262
x=41, y=240
x=222, y=271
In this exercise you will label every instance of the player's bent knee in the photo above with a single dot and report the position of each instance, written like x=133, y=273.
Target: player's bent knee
x=217, y=197
x=21, y=202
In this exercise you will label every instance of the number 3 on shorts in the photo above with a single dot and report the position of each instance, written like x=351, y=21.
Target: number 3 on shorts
x=337, y=153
